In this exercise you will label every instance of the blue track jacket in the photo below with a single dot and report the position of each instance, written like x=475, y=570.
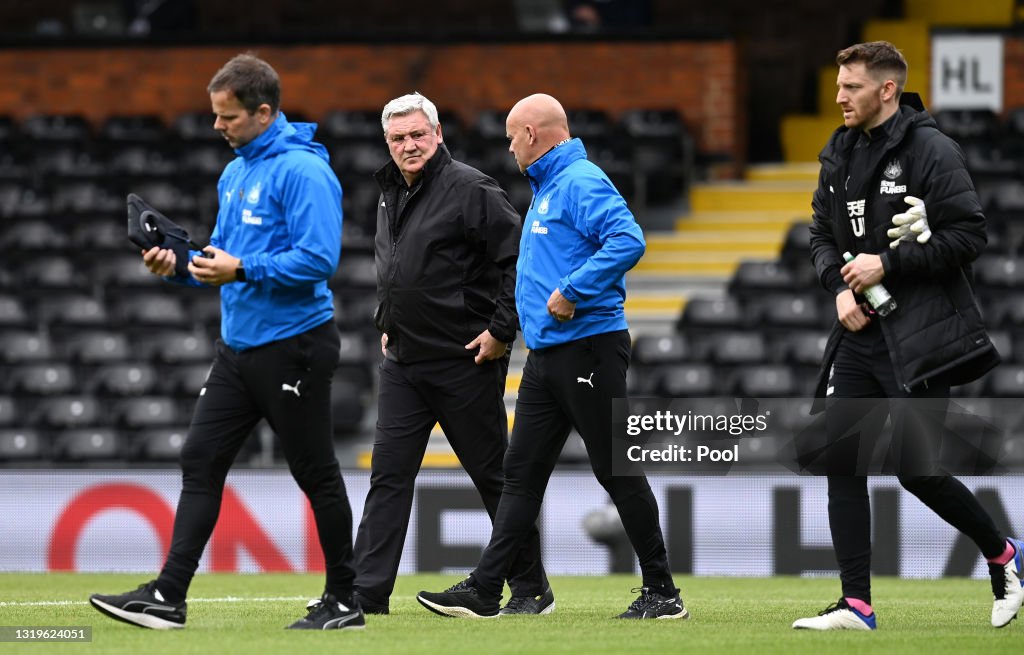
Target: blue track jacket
x=580, y=237
x=280, y=213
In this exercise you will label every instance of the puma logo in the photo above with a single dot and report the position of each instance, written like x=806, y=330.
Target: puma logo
x=294, y=390
x=586, y=381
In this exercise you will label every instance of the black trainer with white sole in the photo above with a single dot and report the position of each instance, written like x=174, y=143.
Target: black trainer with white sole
x=144, y=607
x=462, y=600
x=655, y=605
x=536, y=605
x=327, y=613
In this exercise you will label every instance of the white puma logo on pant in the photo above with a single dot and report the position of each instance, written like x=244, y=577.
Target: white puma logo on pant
x=586, y=380
x=294, y=390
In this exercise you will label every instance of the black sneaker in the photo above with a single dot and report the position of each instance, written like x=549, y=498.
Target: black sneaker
x=542, y=604
x=655, y=605
x=368, y=606
x=462, y=600
x=144, y=607
x=326, y=613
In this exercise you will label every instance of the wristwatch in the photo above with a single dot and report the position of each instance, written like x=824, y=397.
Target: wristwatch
x=240, y=273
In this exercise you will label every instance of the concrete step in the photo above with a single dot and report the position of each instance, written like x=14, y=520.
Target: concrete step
x=745, y=222
x=690, y=241
x=784, y=171
x=788, y=195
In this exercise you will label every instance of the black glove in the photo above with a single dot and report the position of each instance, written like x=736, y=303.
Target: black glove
x=148, y=228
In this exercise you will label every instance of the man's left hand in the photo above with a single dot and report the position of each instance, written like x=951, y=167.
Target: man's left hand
x=911, y=225
x=864, y=271
x=216, y=271
x=490, y=348
x=560, y=307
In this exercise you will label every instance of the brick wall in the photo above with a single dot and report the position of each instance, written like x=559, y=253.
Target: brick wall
x=697, y=78
x=1013, y=73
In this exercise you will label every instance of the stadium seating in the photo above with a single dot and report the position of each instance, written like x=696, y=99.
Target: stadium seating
x=91, y=341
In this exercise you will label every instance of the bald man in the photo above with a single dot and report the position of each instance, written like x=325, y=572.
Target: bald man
x=579, y=239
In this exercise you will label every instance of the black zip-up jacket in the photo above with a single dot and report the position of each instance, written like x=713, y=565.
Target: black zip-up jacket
x=446, y=260
x=937, y=326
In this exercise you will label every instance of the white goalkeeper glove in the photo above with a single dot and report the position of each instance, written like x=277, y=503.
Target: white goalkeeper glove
x=911, y=225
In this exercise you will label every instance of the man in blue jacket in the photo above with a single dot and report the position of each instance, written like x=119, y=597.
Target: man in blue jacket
x=275, y=244
x=579, y=239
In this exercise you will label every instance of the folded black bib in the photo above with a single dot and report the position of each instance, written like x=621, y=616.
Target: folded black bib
x=148, y=228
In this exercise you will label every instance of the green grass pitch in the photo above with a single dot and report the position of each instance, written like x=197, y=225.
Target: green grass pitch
x=247, y=613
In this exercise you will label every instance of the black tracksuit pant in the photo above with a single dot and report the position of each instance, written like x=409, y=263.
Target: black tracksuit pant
x=566, y=386
x=862, y=369
x=467, y=400
x=288, y=383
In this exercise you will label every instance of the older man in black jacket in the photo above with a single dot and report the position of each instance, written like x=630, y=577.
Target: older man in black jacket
x=446, y=249
x=888, y=154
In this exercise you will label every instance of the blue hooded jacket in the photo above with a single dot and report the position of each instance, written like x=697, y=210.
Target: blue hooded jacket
x=280, y=213
x=580, y=237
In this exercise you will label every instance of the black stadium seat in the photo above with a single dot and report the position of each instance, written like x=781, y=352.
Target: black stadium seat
x=21, y=444
x=125, y=379
x=97, y=346
x=25, y=346
x=767, y=381
x=88, y=444
x=687, y=380
x=9, y=412
x=148, y=412
x=176, y=347
x=713, y=313
x=184, y=380
x=656, y=350
x=68, y=412
x=160, y=444
x=1007, y=381
x=12, y=312
x=738, y=348
x=45, y=379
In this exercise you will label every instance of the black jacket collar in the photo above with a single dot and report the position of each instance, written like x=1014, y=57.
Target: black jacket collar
x=388, y=175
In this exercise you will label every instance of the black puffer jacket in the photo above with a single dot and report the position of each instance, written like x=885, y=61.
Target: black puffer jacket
x=446, y=265
x=936, y=327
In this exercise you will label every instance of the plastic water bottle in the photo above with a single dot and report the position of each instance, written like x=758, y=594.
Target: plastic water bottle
x=878, y=296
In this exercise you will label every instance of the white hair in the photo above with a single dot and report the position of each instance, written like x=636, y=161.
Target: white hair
x=408, y=104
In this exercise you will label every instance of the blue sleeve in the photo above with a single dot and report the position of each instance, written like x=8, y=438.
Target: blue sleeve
x=601, y=214
x=311, y=197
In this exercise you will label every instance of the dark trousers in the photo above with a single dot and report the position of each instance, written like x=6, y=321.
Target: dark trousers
x=242, y=388
x=468, y=401
x=566, y=386
x=862, y=369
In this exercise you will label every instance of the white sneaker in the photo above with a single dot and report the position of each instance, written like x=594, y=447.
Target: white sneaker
x=1008, y=586
x=837, y=617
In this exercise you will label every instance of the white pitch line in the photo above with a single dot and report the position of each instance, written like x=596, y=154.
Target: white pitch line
x=226, y=599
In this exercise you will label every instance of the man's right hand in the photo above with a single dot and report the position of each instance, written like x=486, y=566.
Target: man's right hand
x=159, y=261
x=384, y=344
x=851, y=314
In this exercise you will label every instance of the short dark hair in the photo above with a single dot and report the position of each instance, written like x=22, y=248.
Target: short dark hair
x=881, y=59
x=253, y=81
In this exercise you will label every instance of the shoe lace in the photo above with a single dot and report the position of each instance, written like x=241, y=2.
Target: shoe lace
x=644, y=601
x=997, y=572
x=518, y=602
x=834, y=607
x=461, y=585
x=318, y=609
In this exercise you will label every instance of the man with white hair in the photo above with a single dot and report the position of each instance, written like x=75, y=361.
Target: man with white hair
x=446, y=249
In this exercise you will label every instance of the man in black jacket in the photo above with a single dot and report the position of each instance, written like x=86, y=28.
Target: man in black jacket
x=446, y=249
x=890, y=154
